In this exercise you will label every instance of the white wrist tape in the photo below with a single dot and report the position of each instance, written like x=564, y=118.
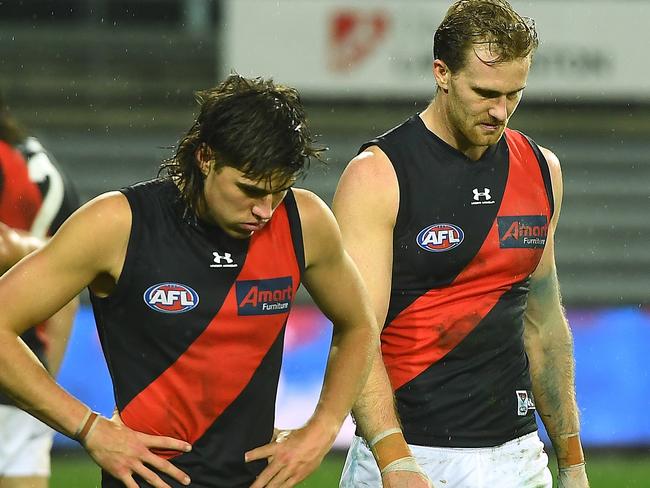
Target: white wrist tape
x=574, y=467
x=383, y=435
x=403, y=464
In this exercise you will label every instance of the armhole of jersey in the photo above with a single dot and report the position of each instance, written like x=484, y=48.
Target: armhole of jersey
x=546, y=172
x=131, y=250
x=366, y=145
x=296, y=229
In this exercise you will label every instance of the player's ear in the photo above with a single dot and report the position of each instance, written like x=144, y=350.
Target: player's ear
x=204, y=158
x=442, y=74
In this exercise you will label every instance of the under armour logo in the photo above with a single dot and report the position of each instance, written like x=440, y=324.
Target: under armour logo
x=482, y=197
x=218, y=258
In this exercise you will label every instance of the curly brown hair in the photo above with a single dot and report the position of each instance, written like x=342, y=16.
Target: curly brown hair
x=469, y=23
x=253, y=125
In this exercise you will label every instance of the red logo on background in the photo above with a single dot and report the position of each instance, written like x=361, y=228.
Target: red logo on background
x=353, y=35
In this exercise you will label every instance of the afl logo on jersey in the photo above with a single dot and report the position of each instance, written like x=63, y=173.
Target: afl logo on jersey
x=171, y=298
x=440, y=237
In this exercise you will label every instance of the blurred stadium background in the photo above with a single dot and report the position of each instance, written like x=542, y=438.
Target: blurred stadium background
x=107, y=85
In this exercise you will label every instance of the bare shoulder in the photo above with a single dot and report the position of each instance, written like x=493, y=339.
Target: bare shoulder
x=368, y=188
x=370, y=169
x=552, y=160
x=91, y=243
x=320, y=232
x=315, y=216
x=106, y=214
x=97, y=233
x=553, y=163
x=556, y=173
x=371, y=165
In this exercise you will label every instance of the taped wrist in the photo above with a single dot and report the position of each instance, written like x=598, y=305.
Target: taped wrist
x=569, y=469
x=86, y=426
x=388, y=447
x=404, y=464
x=570, y=453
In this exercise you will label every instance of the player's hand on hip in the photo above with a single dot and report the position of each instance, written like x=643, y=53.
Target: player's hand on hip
x=405, y=479
x=292, y=456
x=573, y=477
x=123, y=453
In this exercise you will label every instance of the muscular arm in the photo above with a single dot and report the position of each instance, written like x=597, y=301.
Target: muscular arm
x=365, y=205
x=58, y=328
x=55, y=274
x=366, y=217
x=91, y=244
x=15, y=245
x=549, y=346
x=336, y=287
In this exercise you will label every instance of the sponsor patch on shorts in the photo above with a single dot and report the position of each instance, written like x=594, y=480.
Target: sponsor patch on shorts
x=523, y=231
x=264, y=297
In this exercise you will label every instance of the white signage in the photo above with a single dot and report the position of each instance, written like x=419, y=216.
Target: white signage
x=589, y=50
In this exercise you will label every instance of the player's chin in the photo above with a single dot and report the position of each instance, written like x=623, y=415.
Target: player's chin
x=239, y=233
x=488, y=139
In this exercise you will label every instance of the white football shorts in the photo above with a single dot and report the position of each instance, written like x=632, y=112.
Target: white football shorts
x=520, y=463
x=25, y=444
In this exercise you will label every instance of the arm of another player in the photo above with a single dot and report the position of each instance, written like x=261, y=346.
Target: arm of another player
x=365, y=205
x=89, y=245
x=335, y=285
x=549, y=346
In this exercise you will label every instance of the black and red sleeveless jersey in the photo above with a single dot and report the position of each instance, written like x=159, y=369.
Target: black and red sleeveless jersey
x=467, y=237
x=35, y=197
x=20, y=198
x=193, y=332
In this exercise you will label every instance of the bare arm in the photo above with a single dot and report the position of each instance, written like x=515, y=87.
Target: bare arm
x=365, y=205
x=366, y=216
x=549, y=346
x=335, y=285
x=90, y=245
x=58, y=328
x=15, y=245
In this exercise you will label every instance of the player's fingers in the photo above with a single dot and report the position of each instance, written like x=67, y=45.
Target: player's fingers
x=168, y=468
x=129, y=482
x=162, y=442
x=267, y=475
x=150, y=477
x=281, y=480
x=261, y=452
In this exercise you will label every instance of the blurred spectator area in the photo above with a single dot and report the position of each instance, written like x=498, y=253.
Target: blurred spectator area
x=108, y=87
